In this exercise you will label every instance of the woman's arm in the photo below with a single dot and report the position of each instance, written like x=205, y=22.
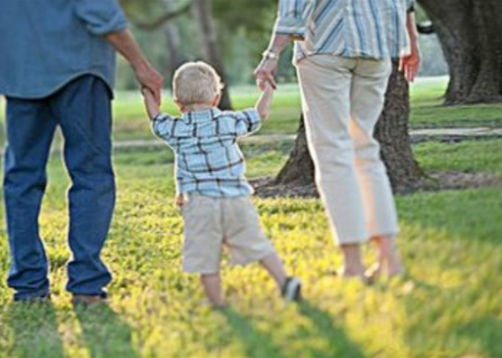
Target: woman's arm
x=410, y=64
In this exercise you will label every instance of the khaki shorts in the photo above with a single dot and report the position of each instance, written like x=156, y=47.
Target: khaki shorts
x=211, y=223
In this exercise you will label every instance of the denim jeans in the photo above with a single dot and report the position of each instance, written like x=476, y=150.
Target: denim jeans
x=82, y=109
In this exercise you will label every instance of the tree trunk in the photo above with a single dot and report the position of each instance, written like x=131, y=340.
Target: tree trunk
x=391, y=131
x=469, y=32
x=176, y=58
x=202, y=12
x=299, y=169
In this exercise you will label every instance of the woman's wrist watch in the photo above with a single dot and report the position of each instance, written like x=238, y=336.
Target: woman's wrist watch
x=270, y=55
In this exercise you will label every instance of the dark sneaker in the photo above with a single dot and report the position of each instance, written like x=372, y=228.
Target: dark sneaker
x=35, y=299
x=292, y=289
x=88, y=300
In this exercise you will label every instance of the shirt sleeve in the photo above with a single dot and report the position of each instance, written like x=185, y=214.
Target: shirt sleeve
x=293, y=17
x=410, y=5
x=247, y=122
x=163, y=126
x=101, y=17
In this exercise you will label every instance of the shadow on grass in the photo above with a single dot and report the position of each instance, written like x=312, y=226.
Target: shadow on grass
x=35, y=331
x=325, y=326
x=105, y=333
x=487, y=333
x=256, y=343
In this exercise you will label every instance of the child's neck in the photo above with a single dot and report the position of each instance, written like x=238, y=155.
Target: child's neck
x=197, y=107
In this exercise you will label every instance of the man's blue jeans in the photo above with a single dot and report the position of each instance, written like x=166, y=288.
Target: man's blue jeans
x=82, y=109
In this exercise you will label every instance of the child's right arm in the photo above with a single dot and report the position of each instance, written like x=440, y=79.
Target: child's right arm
x=151, y=104
x=263, y=104
x=162, y=124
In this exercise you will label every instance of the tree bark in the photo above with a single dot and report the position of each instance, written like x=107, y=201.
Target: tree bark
x=469, y=32
x=299, y=169
x=173, y=41
x=202, y=12
x=391, y=131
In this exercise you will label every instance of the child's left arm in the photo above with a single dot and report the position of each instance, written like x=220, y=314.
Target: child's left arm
x=264, y=102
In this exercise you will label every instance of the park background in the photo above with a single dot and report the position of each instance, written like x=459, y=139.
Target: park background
x=449, y=200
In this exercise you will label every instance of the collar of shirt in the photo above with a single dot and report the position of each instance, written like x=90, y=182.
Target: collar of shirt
x=201, y=116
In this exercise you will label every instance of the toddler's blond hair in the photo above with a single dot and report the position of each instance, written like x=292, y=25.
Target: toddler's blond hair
x=196, y=83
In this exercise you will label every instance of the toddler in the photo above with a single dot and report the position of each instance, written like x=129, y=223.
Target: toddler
x=212, y=191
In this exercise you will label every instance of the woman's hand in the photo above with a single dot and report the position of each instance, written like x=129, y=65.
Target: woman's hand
x=410, y=64
x=265, y=73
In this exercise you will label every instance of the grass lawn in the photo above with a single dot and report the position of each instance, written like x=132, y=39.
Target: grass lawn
x=448, y=306
x=427, y=111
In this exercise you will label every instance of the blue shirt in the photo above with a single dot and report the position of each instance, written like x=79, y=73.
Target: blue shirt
x=47, y=43
x=208, y=159
x=349, y=28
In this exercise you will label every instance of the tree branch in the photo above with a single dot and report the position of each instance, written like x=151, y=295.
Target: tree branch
x=152, y=25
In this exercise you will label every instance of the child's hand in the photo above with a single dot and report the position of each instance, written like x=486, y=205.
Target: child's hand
x=180, y=201
x=263, y=104
x=266, y=87
x=151, y=104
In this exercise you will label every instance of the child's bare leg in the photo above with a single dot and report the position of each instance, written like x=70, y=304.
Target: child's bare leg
x=387, y=256
x=273, y=264
x=352, y=261
x=212, y=288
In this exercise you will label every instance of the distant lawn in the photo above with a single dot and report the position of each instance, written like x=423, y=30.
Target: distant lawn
x=426, y=103
x=427, y=110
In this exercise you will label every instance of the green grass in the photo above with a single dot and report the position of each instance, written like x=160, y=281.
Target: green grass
x=448, y=306
x=426, y=101
x=427, y=110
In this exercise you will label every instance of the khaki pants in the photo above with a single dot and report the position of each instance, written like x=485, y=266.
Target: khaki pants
x=342, y=100
x=212, y=223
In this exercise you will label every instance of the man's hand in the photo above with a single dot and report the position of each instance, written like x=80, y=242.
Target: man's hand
x=124, y=42
x=150, y=79
x=410, y=64
x=151, y=103
x=265, y=73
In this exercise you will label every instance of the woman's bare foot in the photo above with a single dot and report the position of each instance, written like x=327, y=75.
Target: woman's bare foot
x=352, y=262
x=388, y=260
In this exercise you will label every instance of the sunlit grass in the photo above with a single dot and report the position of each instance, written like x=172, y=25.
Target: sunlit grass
x=447, y=306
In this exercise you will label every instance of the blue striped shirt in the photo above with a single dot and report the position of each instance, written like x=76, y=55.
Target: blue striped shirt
x=208, y=159
x=349, y=28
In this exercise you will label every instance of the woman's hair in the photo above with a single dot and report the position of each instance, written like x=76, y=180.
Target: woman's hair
x=196, y=83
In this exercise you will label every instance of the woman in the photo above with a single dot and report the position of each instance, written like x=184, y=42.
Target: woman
x=343, y=52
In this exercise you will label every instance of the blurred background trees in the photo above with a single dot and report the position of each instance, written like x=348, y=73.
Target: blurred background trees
x=470, y=35
x=231, y=35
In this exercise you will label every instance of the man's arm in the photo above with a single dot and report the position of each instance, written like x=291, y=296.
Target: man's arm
x=105, y=18
x=125, y=44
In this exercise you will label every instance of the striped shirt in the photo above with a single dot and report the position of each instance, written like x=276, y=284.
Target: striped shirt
x=208, y=159
x=349, y=28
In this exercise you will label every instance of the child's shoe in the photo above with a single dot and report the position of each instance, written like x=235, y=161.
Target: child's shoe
x=292, y=289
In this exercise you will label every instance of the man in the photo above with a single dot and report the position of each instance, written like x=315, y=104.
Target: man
x=343, y=54
x=57, y=69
